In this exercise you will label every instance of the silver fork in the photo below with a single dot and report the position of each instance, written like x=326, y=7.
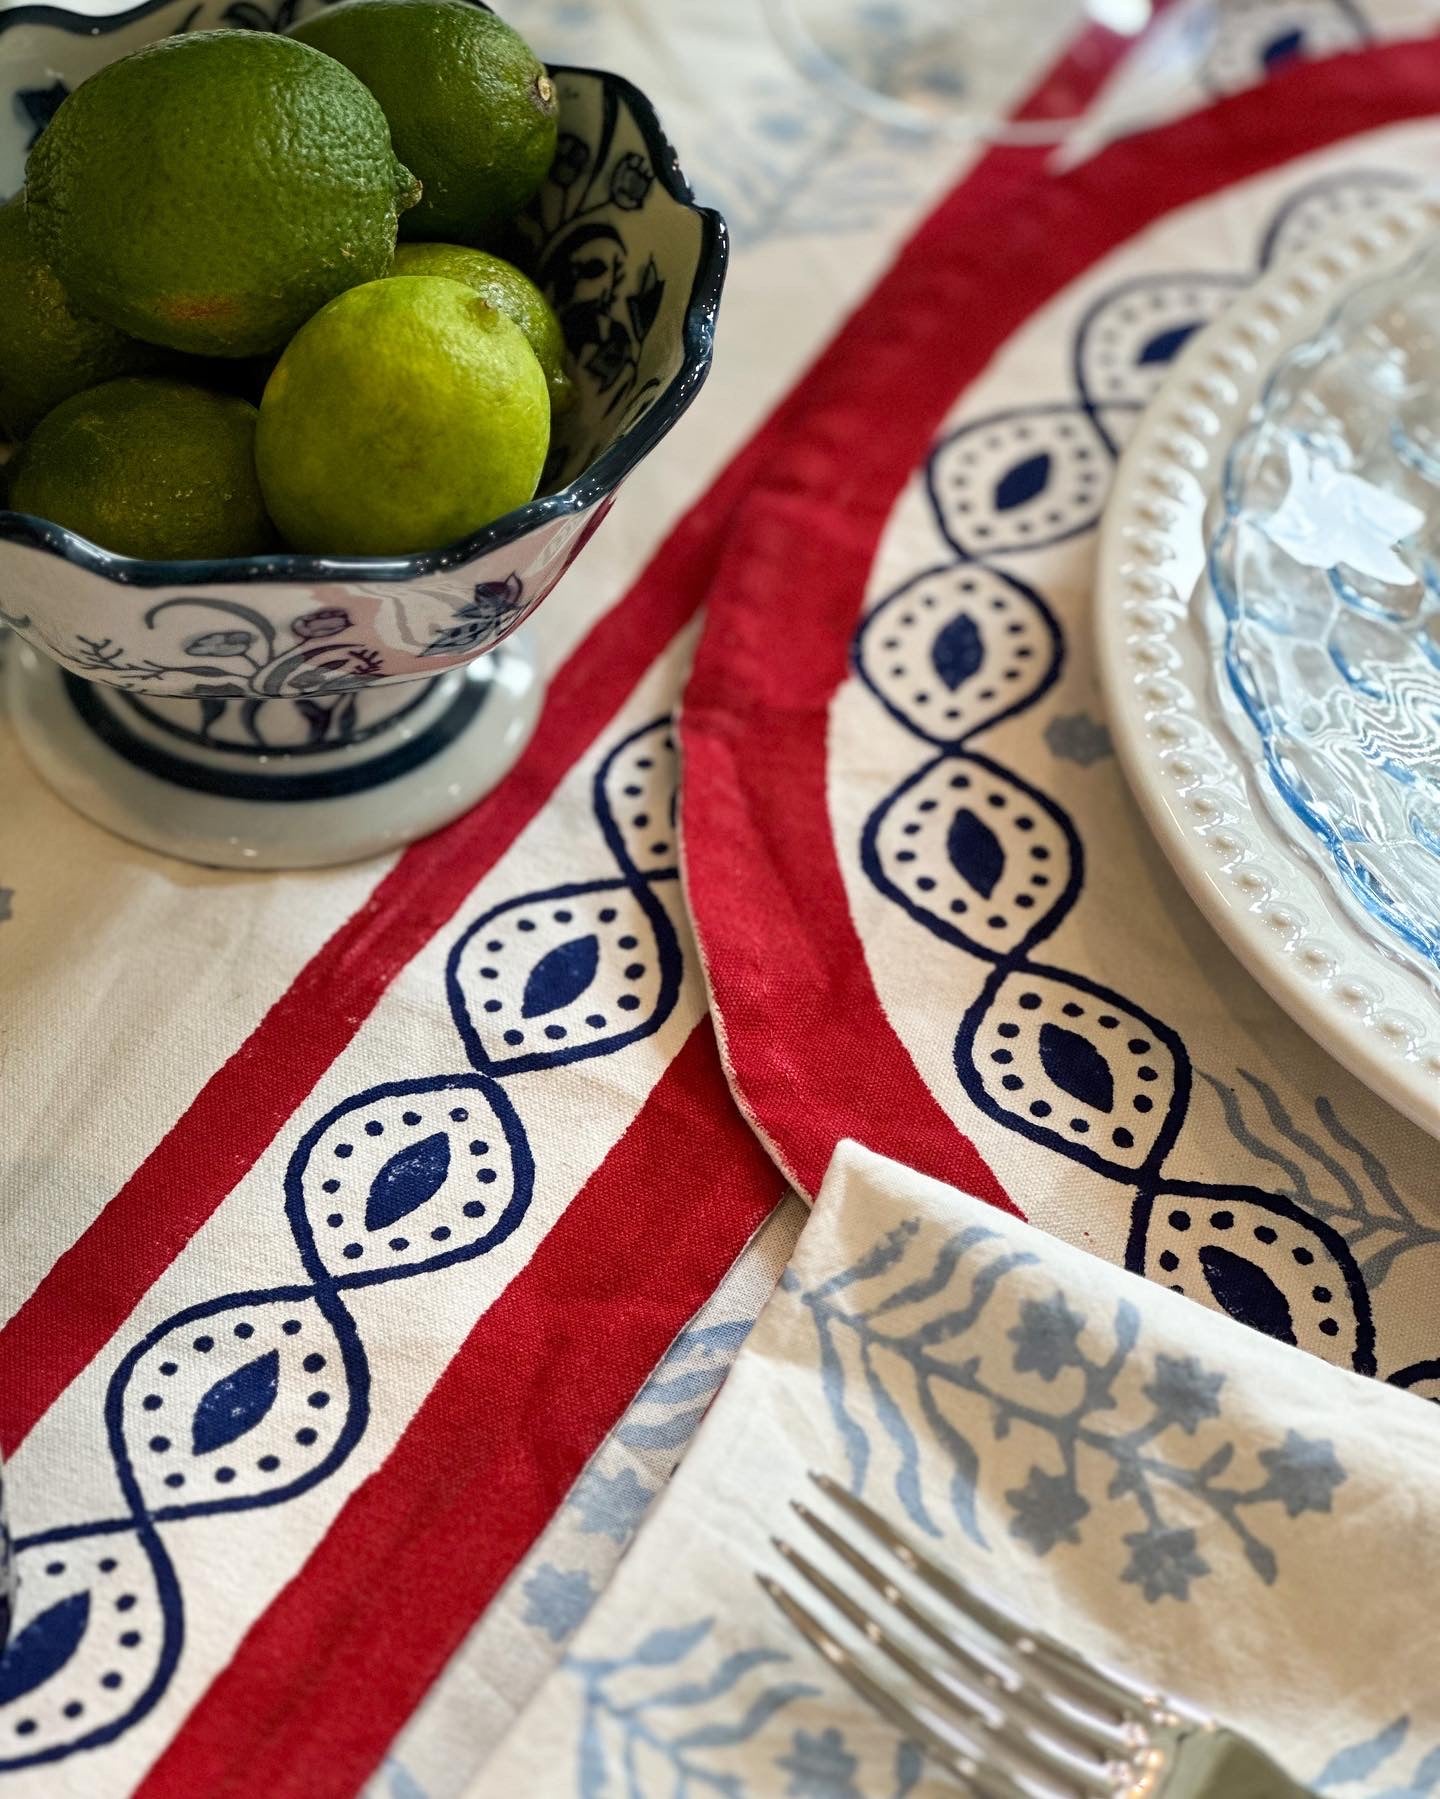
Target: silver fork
x=1012, y=1712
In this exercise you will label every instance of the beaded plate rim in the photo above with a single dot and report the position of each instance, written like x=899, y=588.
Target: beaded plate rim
x=1179, y=749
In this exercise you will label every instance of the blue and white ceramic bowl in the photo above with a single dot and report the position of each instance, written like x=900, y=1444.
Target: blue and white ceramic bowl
x=186, y=704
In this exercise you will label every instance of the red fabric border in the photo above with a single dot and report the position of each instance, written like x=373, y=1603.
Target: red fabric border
x=326, y=1677
x=91, y=1290
x=811, y=1055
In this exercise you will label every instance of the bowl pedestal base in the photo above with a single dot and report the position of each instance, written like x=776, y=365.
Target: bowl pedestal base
x=279, y=782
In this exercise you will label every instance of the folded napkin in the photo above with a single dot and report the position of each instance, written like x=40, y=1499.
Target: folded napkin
x=1154, y=1483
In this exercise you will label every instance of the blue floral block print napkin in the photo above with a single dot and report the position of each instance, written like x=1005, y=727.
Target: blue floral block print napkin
x=1234, y=1519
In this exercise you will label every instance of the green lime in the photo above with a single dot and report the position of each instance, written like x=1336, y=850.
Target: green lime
x=508, y=291
x=49, y=349
x=150, y=467
x=211, y=192
x=471, y=107
x=407, y=414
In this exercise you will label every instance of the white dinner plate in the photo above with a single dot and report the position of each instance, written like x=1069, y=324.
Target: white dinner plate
x=1191, y=758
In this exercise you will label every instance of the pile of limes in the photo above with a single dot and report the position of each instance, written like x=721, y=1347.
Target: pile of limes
x=218, y=213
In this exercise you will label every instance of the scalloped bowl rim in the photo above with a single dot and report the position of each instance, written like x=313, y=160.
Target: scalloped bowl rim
x=600, y=480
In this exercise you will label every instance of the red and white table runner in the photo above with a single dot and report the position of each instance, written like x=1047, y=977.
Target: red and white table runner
x=288, y=1387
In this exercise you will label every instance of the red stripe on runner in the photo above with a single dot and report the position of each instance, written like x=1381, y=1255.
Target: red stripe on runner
x=811, y=1054
x=94, y=1286
x=328, y=1674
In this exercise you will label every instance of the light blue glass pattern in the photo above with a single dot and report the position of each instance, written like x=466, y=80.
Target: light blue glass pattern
x=1324, y=553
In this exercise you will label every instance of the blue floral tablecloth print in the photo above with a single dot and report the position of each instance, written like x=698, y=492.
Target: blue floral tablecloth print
x=1155, y=1484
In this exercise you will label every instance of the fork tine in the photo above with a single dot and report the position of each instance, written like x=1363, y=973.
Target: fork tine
x=1005, y=1737
x=1092, y=1686
x=980, y=1712
x=957, y=1756
x=1069, y=1726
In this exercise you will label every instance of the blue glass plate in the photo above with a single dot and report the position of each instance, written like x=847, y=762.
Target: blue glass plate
x=1324, y=552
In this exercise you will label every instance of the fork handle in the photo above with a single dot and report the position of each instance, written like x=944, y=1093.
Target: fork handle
x=1217, y=1764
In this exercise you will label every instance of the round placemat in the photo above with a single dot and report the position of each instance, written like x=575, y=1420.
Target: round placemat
x=929, y=916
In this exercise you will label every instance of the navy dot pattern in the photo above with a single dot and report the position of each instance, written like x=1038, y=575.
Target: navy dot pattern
x=988, y=863
x=249, y=1399
x=1258, y=38
x=1016, y=1063
x=1019, y=480
x=955, y=649
x=1127, y=342
x=972, y=854
x=399, y=1172
x=586, y=968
